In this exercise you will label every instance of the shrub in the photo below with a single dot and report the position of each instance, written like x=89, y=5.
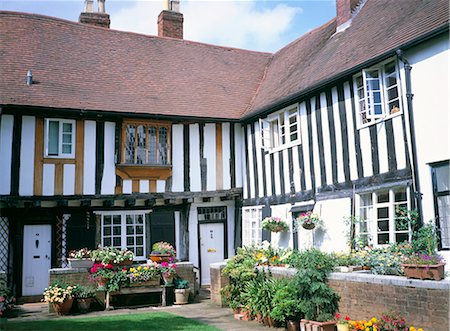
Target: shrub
x=6, y=299
x=286, y=302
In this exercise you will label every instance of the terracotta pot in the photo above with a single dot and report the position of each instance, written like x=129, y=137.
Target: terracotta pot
x=259, y=318
x=433, y=272
x=292, y=325
x=64, y=307
x=125, y=263
x=158, y=258
x=181, y=296
x=323, y=326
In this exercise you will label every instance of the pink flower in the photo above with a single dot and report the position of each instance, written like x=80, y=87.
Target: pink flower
x=164, y=264
x=2, y=299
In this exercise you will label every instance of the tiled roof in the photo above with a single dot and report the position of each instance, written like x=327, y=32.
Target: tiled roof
x=79, y=66
x=380, y=26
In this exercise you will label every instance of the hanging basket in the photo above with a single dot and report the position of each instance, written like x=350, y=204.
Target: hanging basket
x=278, y=229
x=158, y=258
x=308, y=226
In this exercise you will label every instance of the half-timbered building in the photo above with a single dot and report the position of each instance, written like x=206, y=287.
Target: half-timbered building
x=120, y=139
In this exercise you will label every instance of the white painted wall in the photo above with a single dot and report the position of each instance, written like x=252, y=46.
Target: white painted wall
x=194, y=158
x=109, y=167
x=431, y=109
x=177, y=158
x=282, y=239
x=160, y=186
x=69, y=179
x=48, y=179
x=226, y=156
x=6, y=135
x=89, y=157
x=239, y=153
x=127, y=186
x=26, y=171
x=144, y=186
x=210, y=155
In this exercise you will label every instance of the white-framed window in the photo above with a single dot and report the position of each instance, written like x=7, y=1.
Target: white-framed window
x=440, y=173
x=281, y=129
x=59, y=138
x=380, y=222
x=251, y=225
x=377, y=92
x=124, y=230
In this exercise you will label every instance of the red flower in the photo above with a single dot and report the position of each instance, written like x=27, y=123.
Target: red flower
x=347, y=318
x=108, y=266
x=338, y=316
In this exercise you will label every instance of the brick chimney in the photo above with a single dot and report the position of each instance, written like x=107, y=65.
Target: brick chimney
x=100, y=18
x=344, y=11
x=170, y=20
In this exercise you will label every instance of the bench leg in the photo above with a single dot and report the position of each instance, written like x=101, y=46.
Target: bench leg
x=107, y=301
x=163, y=297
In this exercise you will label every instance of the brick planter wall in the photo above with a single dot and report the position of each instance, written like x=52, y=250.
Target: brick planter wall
x=424, y=303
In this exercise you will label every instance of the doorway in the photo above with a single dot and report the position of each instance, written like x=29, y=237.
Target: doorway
x=36, y=258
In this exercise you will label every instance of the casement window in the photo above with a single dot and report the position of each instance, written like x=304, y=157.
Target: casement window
x=441, y=190
x=377, y=92
x=379, y=220
x=251, y=225
x=59, y=138
x=125, y=230
x=281, y=129
x=146, y=143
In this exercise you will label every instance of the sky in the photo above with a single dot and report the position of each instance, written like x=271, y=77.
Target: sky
x=261, y=25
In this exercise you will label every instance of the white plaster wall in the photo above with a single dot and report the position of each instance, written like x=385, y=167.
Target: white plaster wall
x=210, y=154
x=48, y=179
x=109, y=168
x=177, y=158
x=282, y=239
x=90, y=134
x=69, y=179
x=430, y=86
x=26, y=171
x=239, y=154
x=226, y=156
x=332, y=235
x=6, y=136
x=194, y=158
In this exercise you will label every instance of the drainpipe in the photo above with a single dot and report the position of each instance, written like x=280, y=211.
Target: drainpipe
x=415, y=173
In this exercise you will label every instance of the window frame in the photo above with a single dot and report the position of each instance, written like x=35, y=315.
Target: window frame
x=60, y=154
x=272, y=134
x=123, y=234
x=384, y=92
x=436, y=195
x=372, y=211
x=146, y=124
x=249, y=240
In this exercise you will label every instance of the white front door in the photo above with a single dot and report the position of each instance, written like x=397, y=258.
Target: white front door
x=211, y=248
x=36, y=258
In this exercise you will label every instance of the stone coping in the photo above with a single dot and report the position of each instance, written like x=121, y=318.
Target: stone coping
x=362, y=277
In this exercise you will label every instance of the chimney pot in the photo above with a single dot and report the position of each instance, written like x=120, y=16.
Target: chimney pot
x=88, y=6
x=98, y=19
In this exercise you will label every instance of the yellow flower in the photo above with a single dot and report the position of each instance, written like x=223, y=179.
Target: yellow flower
x=145, y=268
x=420, y=329
x=412, y=328
x=136, y=274
x=139, y=268
x=374, y=320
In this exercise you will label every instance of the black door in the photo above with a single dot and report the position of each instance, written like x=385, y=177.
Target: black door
x=162, y=227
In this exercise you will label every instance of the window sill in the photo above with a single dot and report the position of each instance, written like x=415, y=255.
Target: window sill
x=283, y=147
x=143, y=171
x=377, y=121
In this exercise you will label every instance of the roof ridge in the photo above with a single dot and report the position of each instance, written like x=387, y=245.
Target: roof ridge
x=5, y=13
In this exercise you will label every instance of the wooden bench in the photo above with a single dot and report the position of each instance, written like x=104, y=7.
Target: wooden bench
x=139, y=289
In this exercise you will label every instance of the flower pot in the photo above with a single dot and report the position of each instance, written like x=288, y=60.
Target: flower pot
x=277, y=229
x=84, y=304
x=433, y=272
x=342, y=327
x=292, y=325
x=323, y=326
x=158, y=258
x=308, y=226
x=80, y=263
x=125, y=263
x=168, y=279
x=102, y=281
x=181, y=296
x=63, y=308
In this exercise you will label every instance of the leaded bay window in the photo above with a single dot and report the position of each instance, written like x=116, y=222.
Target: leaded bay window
x=281, y=129
x=124, y=230
x=441, y=191
x=377, y=92
x=59, y=139
x=251, y=225
x=380, y=218
x=146, y=143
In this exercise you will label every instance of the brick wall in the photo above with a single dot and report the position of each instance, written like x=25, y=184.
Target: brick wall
x=425, y=304
x=170, y=24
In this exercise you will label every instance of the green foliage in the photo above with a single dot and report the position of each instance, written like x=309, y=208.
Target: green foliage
x=116, y=281
x=83, y=292
x=313, y=259
x=343, y=259
x=181, y=283
x=424, y=239
x=286, y=302
x=318, y=302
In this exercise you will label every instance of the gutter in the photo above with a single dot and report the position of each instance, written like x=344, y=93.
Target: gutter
x=412, y=134
x=296, y=97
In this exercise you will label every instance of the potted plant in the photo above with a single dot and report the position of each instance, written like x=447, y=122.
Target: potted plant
x=424, y=266
x=286, y=306
x=147, y=275
x=102, y=273
x=342, y=323
x=181, y=291
x=84, y=296
x=162, y=252
x=274, y=224
x=80, y=258
x=111, y=255
x=168, y=272
x=6, y=299
x=308, y=220
x=60, y=295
